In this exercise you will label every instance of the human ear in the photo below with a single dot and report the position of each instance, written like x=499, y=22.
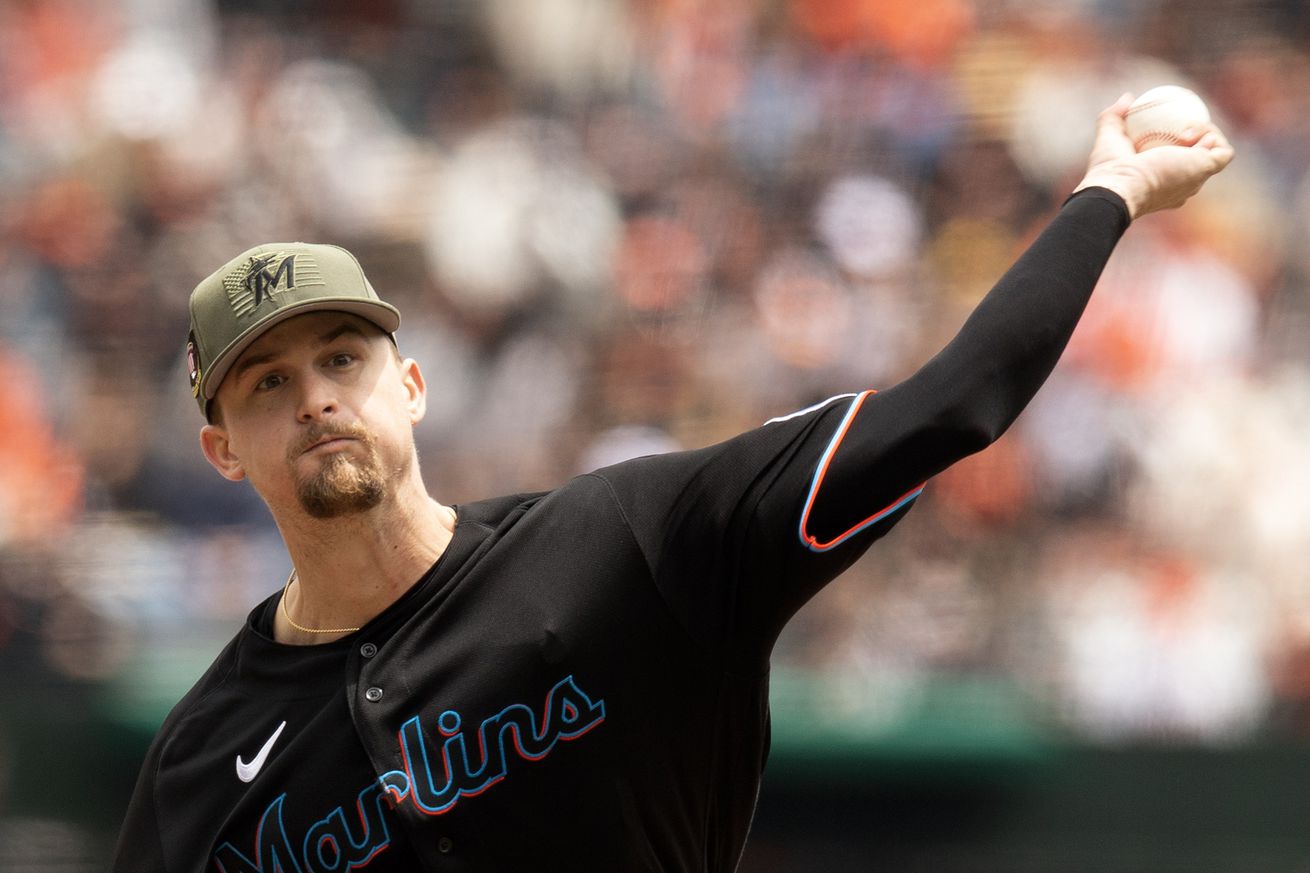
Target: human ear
x=217, y=447
x=416, y=390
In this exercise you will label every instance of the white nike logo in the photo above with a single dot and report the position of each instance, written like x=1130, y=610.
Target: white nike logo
x=246, y=772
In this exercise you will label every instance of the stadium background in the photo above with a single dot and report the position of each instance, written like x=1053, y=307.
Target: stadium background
x=617, y=228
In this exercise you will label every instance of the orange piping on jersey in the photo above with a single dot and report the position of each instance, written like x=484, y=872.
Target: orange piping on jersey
x=810, y=541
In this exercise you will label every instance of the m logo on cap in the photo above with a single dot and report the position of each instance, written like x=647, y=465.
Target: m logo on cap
x=266, y=272
x=264, y=275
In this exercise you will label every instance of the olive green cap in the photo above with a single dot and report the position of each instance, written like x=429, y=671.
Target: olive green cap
x=263, y=287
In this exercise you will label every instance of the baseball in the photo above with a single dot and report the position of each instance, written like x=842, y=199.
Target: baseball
x=1160, y=116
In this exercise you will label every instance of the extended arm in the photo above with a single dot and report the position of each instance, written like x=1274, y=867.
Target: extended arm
x=740, y=534
x=965, y=397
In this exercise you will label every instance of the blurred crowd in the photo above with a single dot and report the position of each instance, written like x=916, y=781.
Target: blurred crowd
x=617, y=228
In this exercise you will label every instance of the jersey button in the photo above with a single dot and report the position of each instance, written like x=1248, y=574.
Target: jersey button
x=445, y=844
x=373, y=695
x=368, y=650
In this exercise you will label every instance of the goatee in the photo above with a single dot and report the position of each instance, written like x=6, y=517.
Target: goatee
x=346, y=482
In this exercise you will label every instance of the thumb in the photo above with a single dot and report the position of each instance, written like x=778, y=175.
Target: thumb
x=1111, y=140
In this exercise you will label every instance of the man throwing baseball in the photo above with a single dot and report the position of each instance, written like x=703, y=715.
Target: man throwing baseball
x=571, y=680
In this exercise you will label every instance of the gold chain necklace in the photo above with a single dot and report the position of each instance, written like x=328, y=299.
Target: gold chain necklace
x=301, y=627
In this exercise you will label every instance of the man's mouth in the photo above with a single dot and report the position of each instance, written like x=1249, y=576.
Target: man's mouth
x=328, y=444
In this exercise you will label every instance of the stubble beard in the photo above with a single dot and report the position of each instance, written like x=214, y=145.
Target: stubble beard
x=346, y=482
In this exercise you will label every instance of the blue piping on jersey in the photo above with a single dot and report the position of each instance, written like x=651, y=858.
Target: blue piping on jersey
x=810, y=541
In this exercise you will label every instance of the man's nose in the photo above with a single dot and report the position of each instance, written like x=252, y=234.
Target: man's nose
x=318, y=398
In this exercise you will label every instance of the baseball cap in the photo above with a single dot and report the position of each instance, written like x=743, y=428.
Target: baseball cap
x=263, y=287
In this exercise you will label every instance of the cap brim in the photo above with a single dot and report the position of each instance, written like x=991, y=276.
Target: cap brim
x=384, y=315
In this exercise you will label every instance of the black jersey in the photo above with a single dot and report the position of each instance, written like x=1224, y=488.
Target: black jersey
x=581, y=681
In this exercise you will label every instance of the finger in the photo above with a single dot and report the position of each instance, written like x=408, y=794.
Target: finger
x=1222, y=156
x=1221, y=141
x=1219, y=150
x=1115, y=113
x=1205, y=135
x=1111, y=129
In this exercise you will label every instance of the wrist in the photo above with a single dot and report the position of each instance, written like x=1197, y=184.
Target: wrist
x=1107, y=195
x=1118, y=187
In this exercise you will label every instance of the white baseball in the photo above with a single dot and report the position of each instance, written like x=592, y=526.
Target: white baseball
x=1160, y=116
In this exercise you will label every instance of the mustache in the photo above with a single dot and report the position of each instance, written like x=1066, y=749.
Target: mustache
x=316, y=432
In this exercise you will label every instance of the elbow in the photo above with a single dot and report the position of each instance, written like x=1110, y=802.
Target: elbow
x=974, y=427
x=971, y=410
x=938, y=447
x=975, y=437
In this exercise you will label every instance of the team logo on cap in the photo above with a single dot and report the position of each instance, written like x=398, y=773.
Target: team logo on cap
x=265, y=275
x=193, y=364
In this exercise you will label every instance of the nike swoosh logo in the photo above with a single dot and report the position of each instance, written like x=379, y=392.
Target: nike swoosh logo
x=246, y=772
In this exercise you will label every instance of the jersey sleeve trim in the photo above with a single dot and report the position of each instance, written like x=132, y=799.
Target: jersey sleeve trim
x=809, y=540
x=809, y=409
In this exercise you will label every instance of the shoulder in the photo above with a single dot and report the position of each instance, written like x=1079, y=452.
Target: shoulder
x=738, y=456
x=495, y=512
x=219, y=673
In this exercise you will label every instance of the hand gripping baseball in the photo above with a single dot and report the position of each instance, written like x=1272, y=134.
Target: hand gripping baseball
x=1158, y=178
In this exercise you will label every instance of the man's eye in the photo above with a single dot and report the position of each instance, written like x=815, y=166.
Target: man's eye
x=272, y=380
x=341, y=359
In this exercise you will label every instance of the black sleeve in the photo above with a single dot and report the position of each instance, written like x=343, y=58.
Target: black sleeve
x=963, y=399
x=739, y=535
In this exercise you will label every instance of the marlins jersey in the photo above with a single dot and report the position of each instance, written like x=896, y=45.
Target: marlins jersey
x=580, y=682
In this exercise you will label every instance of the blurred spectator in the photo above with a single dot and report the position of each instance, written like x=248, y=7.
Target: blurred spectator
x=40, y=478
x=621, y=228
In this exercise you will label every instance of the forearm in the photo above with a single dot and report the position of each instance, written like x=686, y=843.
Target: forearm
x=1007, y=348
x=971, y=391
